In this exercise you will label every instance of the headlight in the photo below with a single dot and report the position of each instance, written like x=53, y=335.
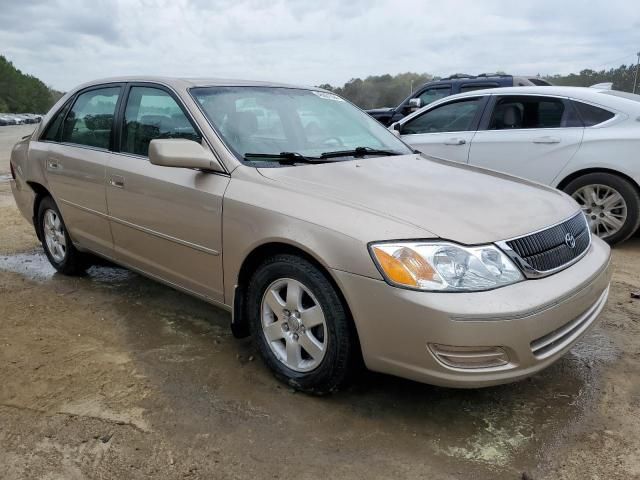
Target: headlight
x=444, y=266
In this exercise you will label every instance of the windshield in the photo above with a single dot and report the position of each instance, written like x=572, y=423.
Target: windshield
x=256, y=121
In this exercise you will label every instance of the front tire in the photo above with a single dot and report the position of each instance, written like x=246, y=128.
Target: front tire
x=300, y=325
x=610, y=203
x=57, y=245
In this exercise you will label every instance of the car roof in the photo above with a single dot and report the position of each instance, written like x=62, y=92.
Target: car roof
x=588, y=94
x=184, y=82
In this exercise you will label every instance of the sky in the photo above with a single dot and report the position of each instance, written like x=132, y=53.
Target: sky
x=67, y=42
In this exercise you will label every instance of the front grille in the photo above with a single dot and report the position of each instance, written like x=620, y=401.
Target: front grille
x=549, y=250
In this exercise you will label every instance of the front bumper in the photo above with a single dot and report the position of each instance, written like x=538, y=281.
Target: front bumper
x=535, y=322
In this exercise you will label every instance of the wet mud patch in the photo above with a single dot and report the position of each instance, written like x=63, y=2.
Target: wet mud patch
x=199, y=389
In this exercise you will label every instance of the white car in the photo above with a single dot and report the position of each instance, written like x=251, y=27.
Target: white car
x=584, y=141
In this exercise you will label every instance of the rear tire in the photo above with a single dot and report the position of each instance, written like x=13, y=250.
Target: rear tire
x=57, y=244
x=607, y=198
x=300, y=325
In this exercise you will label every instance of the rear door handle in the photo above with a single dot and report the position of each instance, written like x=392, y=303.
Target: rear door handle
x=116, y=181
x=546, y=140
x=53, y=164
x=455, y=141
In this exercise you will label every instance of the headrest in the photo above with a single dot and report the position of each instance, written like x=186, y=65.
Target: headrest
x=511, y=117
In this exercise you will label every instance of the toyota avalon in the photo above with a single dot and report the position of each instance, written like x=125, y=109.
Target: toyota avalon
x=328, y=239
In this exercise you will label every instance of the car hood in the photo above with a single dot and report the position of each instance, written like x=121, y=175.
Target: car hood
x=448, y=200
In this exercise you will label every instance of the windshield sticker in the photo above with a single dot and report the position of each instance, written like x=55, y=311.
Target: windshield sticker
x=327, y=96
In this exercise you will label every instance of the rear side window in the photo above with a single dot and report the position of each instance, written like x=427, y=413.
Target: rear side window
x=90, y=120
x=476, y=86
x=451, y=117
x=527, y=112
x=591, y=115
x=152, y=113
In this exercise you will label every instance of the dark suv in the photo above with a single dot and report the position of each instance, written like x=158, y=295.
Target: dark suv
x=437, y=89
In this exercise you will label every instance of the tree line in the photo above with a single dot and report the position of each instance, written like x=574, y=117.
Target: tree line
x=22, y=93
x=389, y=90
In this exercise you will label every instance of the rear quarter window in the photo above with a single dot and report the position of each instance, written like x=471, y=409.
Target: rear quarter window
x=591, y=115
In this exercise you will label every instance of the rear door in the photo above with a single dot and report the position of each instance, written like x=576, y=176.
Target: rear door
x=446, y=130
x=76, y=151
x=165, y=221
x=530, y=136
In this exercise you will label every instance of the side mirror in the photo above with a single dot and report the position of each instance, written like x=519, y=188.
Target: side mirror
x=415, y=104
x=182, y=153
x=396, y=128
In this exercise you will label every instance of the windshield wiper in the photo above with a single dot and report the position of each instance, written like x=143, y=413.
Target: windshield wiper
x=283, y=157
x=359, y=152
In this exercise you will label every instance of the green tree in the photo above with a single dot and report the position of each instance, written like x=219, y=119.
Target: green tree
x=380, y=90
x=22, y=93
x=621, y=77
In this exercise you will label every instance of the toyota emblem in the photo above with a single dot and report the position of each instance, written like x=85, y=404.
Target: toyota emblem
x=570, y=240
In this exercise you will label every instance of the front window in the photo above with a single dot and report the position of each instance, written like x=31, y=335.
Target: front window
x=152, y=113
x=452, y=117
x=257, y=121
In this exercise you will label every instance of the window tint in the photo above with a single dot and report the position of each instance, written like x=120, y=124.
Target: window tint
x=527, y=112
x=53, y=129
x=152, y=113
x=452, y=117
x=90, y=119
x=591, y=115
x=474, y=86
x=571, y=117
x=433, y=94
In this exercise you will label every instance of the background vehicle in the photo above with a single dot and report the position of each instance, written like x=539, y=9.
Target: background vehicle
x=584, y=141
x=10, y=119
x=437, y=89
x=26, y=118
x=540, y=82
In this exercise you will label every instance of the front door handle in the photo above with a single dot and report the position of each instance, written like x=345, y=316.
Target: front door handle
x=116, y=181
x=455, y=141
x=546, y=140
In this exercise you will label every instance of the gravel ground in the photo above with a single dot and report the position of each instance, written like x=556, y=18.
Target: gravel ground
x=115, y=376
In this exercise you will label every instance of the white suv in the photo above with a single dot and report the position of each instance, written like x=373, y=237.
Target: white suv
x=584, y=141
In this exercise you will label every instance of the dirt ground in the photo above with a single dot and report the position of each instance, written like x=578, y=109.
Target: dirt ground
x=115, y=376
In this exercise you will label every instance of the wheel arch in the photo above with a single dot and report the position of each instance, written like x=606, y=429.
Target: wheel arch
x=239, y=323
x=579, y=173
x=41, y=192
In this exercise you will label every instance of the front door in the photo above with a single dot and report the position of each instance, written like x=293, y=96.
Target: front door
x=445, y=131
x=165, y=221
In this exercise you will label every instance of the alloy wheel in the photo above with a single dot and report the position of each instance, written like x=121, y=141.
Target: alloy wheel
x=54, y=237
x=294, y=325
x=604, y=207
